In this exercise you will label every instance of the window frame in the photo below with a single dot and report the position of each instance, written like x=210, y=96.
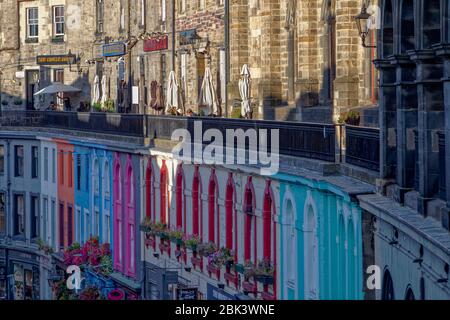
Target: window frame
x=35, y=22
x=61, y=21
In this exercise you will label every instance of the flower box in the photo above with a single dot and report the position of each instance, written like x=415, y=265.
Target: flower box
x=164, y=247
x=150, y=242
x=264, y=279
x=231, y=278
x=268, y=296
x=196, y=262
x=178, y=242
x=249, y=287
x=213, y=269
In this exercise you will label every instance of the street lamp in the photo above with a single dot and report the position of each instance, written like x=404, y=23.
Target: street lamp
x=362, y=22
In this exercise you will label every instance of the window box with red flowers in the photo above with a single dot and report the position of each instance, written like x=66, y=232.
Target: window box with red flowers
x=231, y=277
x=262, y=272
x=213, y=270
x=192, y=242
x=249, y=287
x=164, y=246
x=197, y=262
x=150, y=241
x=176, y=236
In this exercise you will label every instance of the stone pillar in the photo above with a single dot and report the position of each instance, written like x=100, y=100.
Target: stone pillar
x=239, y=46
x=444, y=52
x=406, y=102
x=388, y=120
x=430, y=121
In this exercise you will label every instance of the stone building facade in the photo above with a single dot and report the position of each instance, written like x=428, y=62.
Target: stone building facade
x=43, y=28
x=410, y=215
x=305, y=58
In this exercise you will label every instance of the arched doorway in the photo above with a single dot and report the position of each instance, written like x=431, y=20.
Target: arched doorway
x=388, y=287
x=311, y=254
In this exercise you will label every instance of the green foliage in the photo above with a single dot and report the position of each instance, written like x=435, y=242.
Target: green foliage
x=236, y=113
x=97, y=107
x=352, y=118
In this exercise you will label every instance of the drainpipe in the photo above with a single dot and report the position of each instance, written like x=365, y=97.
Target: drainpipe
x=8, y=213
x=130, y=70
x=173, y=35
x=227, y=53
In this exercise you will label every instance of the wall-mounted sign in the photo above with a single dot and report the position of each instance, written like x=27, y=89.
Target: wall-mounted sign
x=114, y=49
x=187, y=293
x=151, y=45
x=189, y=37
x=56, y=59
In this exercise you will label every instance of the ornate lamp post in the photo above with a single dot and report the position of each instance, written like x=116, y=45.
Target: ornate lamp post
x=363, y=24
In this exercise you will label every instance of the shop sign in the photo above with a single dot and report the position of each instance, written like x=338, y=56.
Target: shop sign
x=114, y=49
x=187, y=293
x=214, y=293
x=56, y=59
x=158, y=44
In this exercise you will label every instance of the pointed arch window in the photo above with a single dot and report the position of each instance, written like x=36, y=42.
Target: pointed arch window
x=197, y=224
x=149, y=192
x=164, y=197
x=130, y=221
x=118, y=228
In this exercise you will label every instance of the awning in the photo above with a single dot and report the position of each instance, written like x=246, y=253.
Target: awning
x=56, y=88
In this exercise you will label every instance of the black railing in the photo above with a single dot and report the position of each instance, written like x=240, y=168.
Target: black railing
x=363, y=147
x=314, y=141
x=307, y=140
x=107, y=123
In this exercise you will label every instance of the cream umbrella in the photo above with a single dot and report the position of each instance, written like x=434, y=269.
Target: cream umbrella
x=104, y=91
x=208, y=98
x=172, y=101
x=96, y=90
x=244, y=90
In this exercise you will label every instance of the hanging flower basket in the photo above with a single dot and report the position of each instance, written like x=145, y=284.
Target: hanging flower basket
x=116, y=295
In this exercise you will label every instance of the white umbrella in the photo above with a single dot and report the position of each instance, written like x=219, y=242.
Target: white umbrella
x=104, y=91
x=57, y=87
x=172, y=101
x=244, y=90
x=208, y=96
x=96, y=90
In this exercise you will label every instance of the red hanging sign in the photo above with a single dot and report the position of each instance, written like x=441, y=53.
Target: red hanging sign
x=151, y=45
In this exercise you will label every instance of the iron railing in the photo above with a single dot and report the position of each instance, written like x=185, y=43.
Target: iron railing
x=362, y=147
x=307, y=140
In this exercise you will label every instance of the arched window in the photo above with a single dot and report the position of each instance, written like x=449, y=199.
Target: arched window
x=342, y=270
x=388, y=29
x=164, y=197
x=250, y=234
x=149, y=192
x=311, y=254
x=96, y=177
x=130, y=221
x=230, y=216
x=213, y=209
x=197, y=223
x=290, y=240
x=106, y=186
x=118, y=228
x=269, y=230
x=180, y=200
x=407, y=26
x=431, y=23
x=351, y=262
x=388, y=287
x=409, y=294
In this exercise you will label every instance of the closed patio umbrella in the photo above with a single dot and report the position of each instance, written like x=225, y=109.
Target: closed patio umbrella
x=104, y=91
x=244, y=90
x=208, y=98
x=96, y=90
x=172, y=99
